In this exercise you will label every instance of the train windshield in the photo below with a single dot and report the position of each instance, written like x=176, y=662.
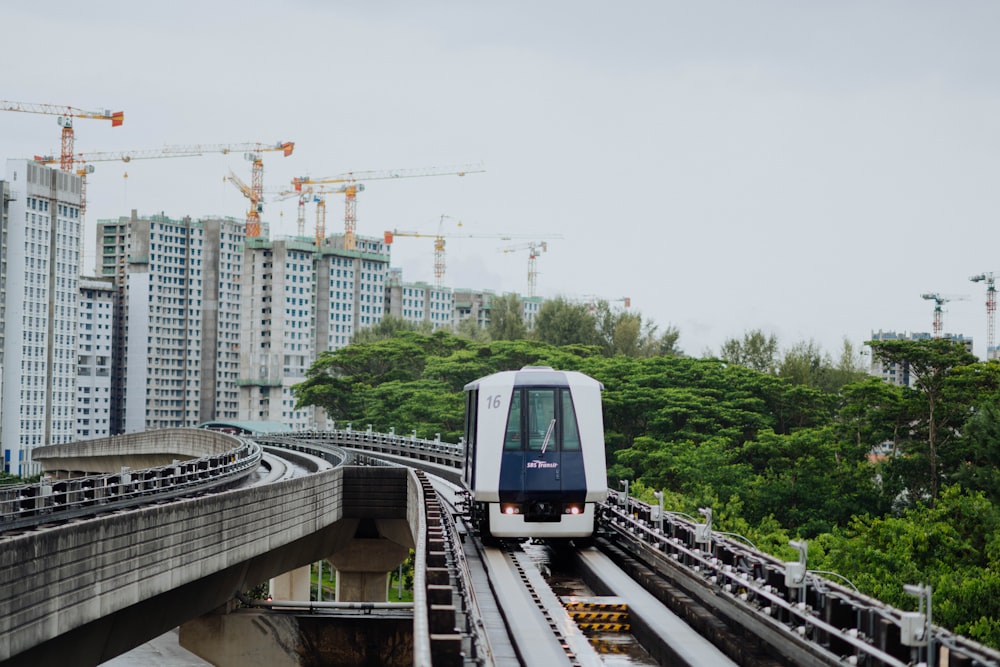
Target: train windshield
x=546, y=423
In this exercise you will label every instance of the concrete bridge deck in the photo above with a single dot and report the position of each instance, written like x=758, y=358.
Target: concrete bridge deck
x=97, y=587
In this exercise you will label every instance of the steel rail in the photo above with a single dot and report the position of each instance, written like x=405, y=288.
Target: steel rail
x=750, y=588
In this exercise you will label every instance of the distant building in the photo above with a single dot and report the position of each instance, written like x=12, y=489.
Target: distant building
x=475, y=304
x=95, y=334
x=899, y=374
x=41, y=248
x=419, y=302
x=175, y=360
x=304, y=301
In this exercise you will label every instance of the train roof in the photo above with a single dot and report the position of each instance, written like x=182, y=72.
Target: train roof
x=537, y=376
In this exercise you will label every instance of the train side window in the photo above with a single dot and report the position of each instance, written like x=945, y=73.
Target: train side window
x=542, y=420
x=571, y=434
x=512, y=440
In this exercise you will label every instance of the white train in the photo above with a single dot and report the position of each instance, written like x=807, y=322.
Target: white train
x=534, y=459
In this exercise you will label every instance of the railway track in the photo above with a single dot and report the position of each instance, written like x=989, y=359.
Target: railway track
x=527, y=601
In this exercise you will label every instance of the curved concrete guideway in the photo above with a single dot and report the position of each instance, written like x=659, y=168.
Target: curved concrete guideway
x=99, y=587
x=137, y=451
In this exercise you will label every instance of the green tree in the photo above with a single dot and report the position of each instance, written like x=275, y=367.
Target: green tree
x=506, y=319
x=953, y=546
x=388, y=327
x=979, y=468
x=469, y=329
x=755, y=351
x=930, y=363
x=627, y=333
x=560, y=322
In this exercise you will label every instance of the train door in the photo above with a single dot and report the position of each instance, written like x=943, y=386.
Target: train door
x=471, y=419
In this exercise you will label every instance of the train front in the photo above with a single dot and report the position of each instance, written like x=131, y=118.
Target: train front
x=539, y=454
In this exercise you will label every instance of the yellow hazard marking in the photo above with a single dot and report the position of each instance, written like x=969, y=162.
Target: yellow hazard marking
x=605, y=627
x=616, y=616
x=605, y=646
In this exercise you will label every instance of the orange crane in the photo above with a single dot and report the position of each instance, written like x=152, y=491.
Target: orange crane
x=65, y=120
x=939, y=300
x=352, y=179
x=439, y=253
x=534, y=249
x=991, y=309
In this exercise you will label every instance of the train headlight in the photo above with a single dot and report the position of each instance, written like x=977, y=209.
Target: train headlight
x=574, y=509
x=510, y=509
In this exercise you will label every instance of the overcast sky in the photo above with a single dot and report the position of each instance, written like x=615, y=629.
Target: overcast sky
x=805, y=168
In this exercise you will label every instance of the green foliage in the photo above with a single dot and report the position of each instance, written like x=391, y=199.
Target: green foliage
x=952, y=546
x=470, y=330
x=506, y=320
x=389, y=327
x=774, y=454
x=930, y=363
x=560, y=322
x=976, y=462
x=756, y=351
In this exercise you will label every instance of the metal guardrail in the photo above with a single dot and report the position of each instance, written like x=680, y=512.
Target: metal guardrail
x=410, y=446
x=811, y=620
x=49, y=500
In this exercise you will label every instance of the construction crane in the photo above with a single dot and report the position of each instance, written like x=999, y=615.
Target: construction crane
x=592, y=300
x=439, y=242
x=317, y=196
x=352, y=179
x=991, y=309
x=84, y=168
x=65, y=120
x=534, y=248
x=939, y=300
x=255, y=191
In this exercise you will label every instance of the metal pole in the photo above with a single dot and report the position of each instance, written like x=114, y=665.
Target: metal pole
x=399, y=591
x=319, y=583
x=659, y=519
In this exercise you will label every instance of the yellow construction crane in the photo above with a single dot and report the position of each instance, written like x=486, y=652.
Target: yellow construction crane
x=439, y=256
x=255, y=191
x=353, y=179
x=318, y=196
x=65, y=120
x=534, y=248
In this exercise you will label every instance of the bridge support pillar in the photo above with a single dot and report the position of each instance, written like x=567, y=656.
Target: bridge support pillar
x=363, y=567
x=292, y=585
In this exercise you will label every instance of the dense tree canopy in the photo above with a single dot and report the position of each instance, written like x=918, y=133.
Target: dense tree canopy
x=893, y=485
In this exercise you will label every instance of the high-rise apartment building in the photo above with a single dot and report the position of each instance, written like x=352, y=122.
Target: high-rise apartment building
x=300, y=301
x=41, y=258
x=176, y=355
x=95, y=333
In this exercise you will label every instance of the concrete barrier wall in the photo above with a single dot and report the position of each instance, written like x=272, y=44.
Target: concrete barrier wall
x=60, y=579
x=148, y=449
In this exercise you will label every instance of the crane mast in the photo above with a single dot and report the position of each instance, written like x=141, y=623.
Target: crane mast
x=991, y=309
x=534, y=249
